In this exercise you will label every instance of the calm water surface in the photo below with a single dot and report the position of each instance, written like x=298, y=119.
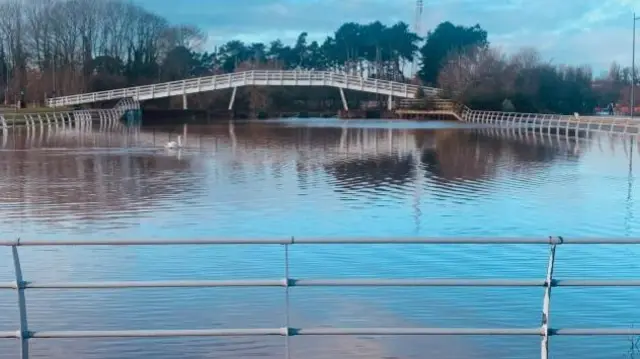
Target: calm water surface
x=318, y=178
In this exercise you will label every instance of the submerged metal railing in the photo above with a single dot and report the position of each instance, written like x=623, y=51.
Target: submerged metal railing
x=545, y=331
x=546, y=123
x=537, y=122
x=69, y=119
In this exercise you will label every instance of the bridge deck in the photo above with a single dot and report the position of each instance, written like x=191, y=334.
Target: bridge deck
x=248, y=78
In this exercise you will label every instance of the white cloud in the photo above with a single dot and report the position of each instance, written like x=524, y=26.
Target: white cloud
x=587, y=31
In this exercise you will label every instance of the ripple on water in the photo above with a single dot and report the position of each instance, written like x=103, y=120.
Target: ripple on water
x=337, y=179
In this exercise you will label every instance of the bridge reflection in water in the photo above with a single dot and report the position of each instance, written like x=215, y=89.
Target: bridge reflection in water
x=265, y=179
x=133, y=160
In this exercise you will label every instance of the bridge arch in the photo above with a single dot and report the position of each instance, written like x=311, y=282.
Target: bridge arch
x=249, y=78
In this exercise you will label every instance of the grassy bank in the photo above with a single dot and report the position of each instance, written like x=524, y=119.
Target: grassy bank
x=12, y=110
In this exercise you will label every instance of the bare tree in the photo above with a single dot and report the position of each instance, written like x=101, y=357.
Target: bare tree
x=525, y=58
x=57, y=46
x=12, y=28
x=470, y=69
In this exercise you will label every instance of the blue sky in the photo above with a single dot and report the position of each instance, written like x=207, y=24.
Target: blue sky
x=595, y=32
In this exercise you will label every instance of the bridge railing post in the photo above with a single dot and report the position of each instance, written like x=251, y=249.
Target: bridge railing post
x=22, y=303
x=546, y=301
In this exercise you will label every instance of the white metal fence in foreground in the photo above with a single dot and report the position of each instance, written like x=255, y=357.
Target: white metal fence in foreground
x=544, y=330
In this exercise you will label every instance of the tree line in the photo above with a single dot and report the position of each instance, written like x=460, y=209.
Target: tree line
x=485, y=77
x=61, y=47
x=55, y=47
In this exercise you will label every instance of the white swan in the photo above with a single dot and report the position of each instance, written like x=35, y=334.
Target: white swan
x=174, y=144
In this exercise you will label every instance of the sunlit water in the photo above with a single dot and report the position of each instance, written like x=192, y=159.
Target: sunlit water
x=318, y=178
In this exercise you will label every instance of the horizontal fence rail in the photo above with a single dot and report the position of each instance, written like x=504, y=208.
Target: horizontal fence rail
x=319, y=241
x=545, y=331
x=248, y=78
x=175, y=333
x=293, y=282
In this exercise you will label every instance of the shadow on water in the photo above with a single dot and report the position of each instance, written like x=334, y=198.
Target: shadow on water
x=303, y=178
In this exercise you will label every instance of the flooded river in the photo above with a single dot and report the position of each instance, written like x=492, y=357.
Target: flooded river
x=318, y=178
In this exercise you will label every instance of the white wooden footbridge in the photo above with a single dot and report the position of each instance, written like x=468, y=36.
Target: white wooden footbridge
x=250, y=78
x=540, y=122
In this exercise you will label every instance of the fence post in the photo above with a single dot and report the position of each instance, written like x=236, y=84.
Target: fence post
x=22, y=304
x=546, y=302
x=287, y=330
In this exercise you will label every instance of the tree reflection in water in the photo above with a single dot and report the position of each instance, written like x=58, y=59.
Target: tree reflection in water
x=104, y=177
x=49, y=183
x=447, y=155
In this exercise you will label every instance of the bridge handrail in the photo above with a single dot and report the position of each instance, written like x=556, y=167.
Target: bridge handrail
x=236, y=79
x=544, y=331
